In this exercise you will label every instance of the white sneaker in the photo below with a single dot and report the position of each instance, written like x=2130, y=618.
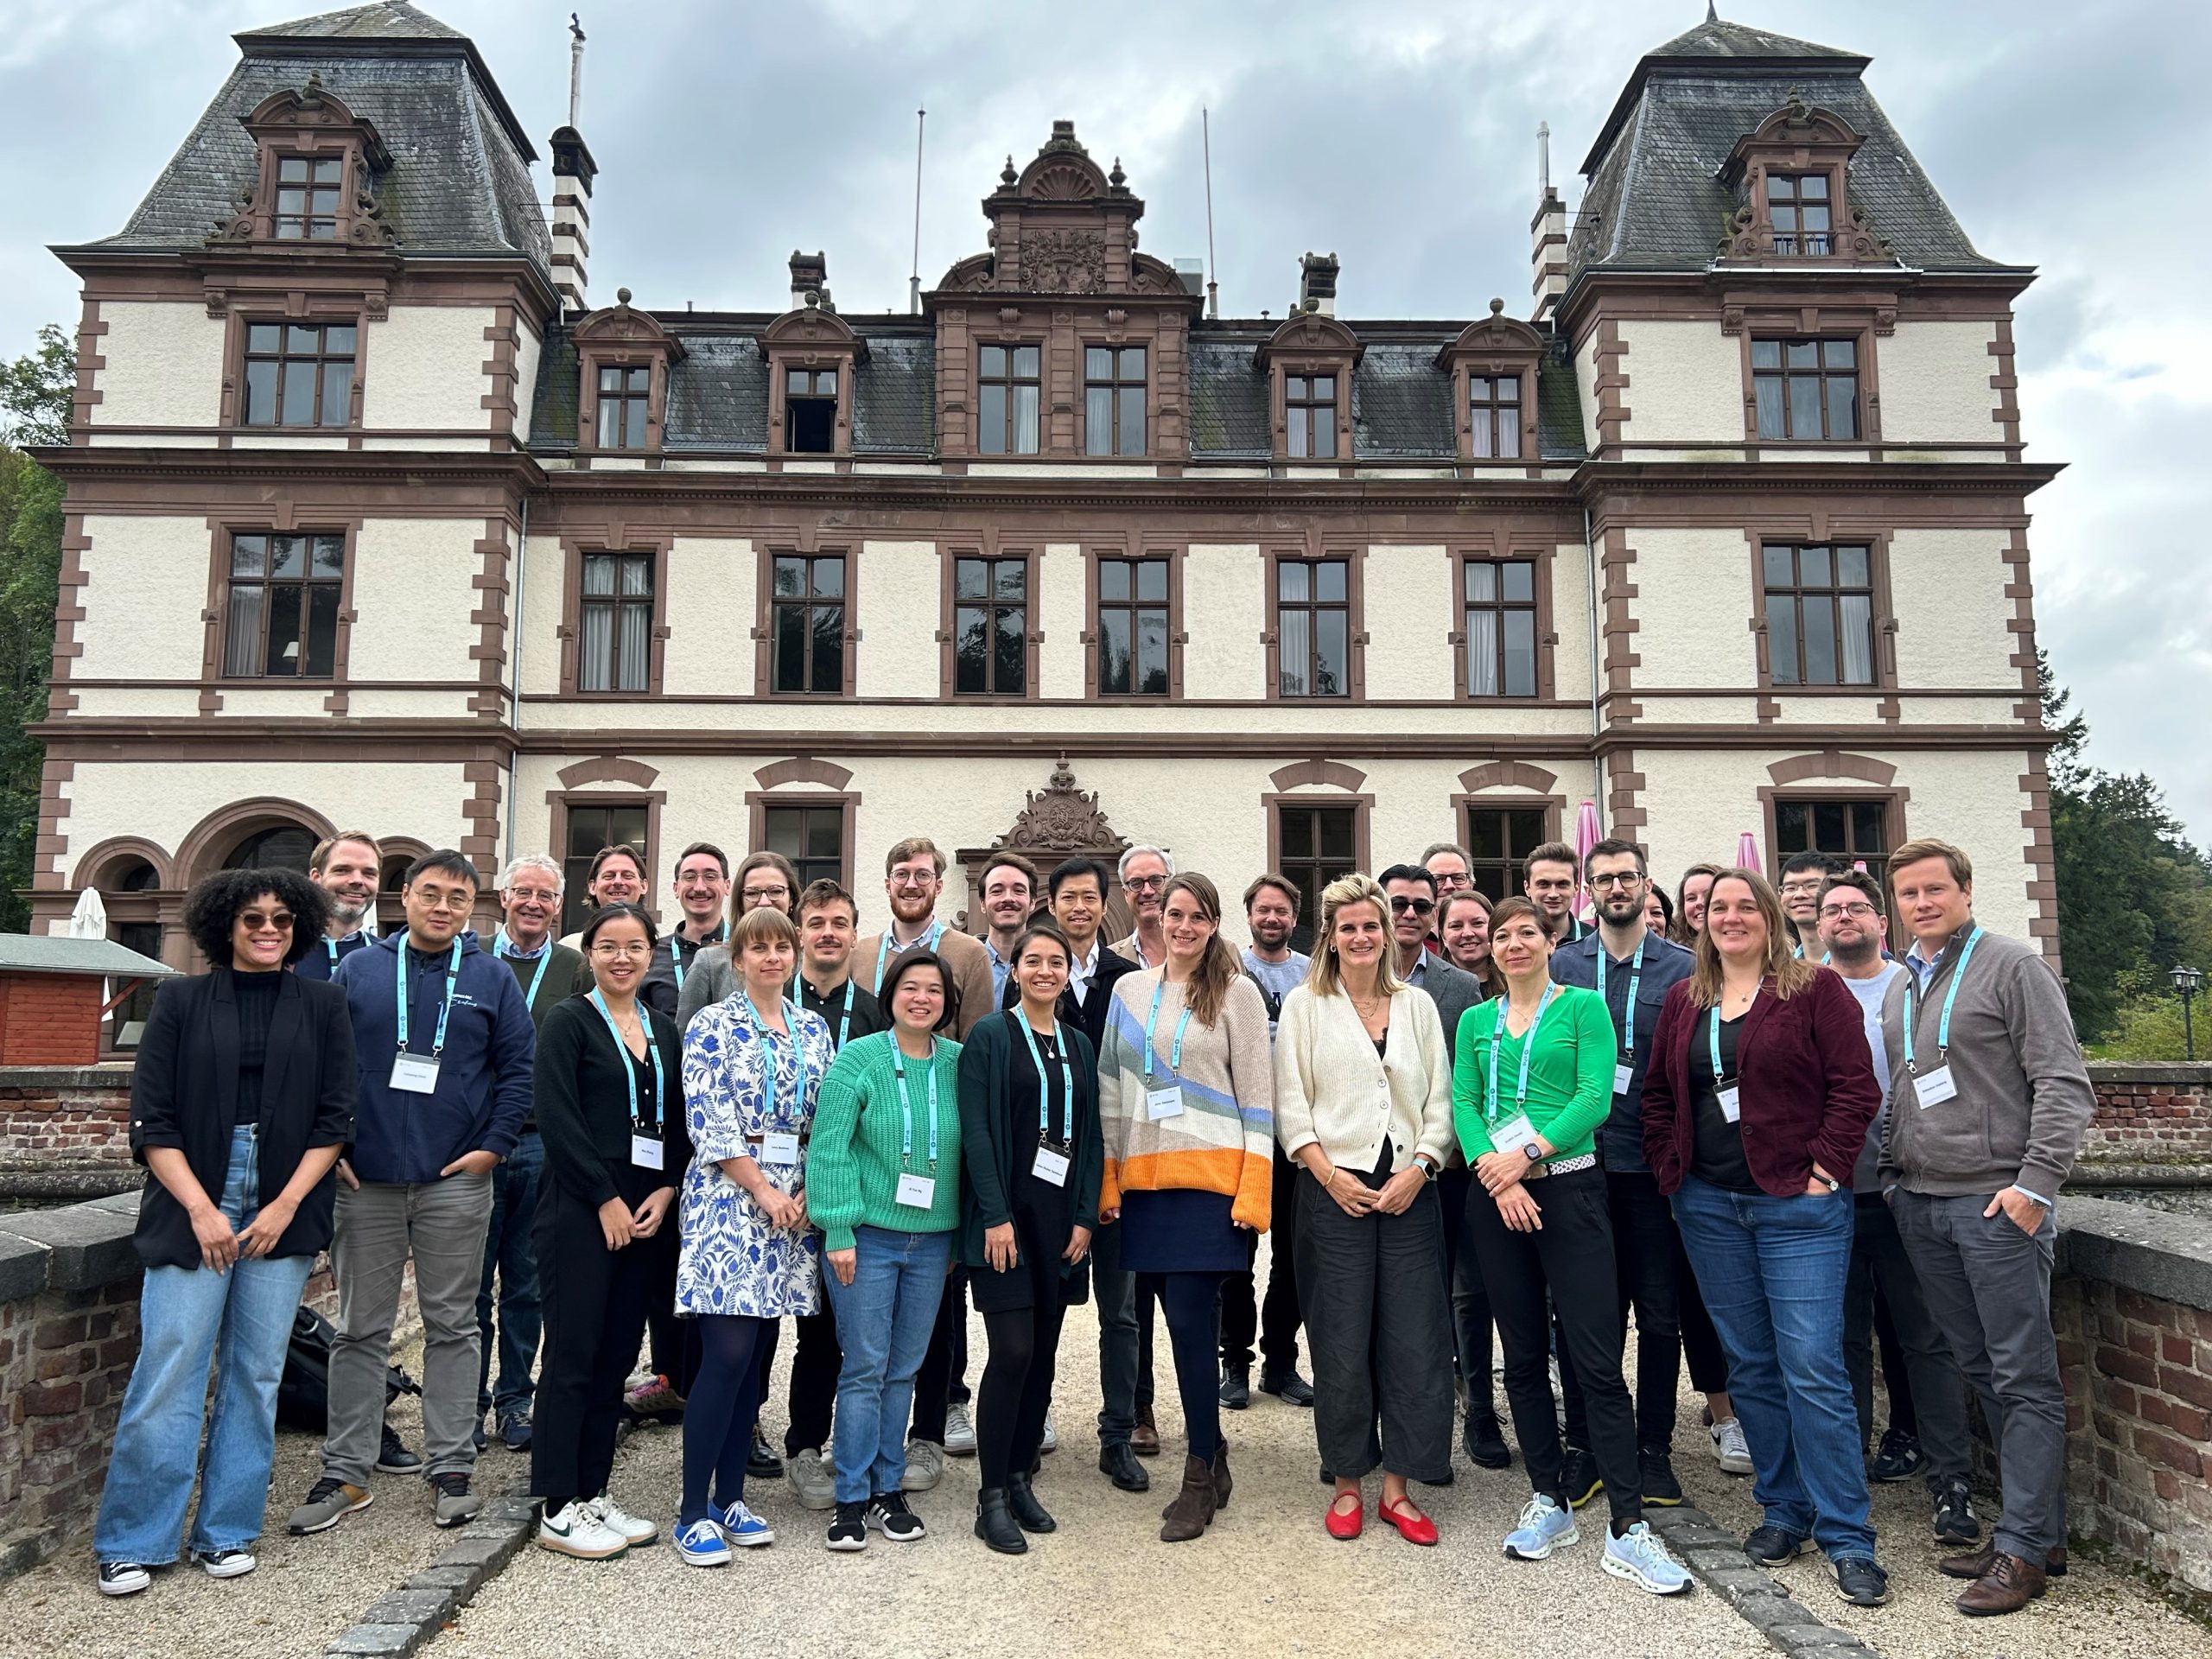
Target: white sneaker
x=925, y=1466
x=577, y=1529
x=1730, y=1450
x=813, y=1479
x=635, y=1531
x=1052, y=1441
x=959, y=1432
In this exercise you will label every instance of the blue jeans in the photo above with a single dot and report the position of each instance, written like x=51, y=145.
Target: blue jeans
x=242, y=1320
x=884, y=1320
x=509, y=1252
x=1772, y=1271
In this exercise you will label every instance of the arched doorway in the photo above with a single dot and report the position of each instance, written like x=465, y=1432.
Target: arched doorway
x=144, y=914
x=280, y=846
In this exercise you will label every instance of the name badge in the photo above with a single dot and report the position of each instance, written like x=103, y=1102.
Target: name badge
x=645, y=1152
x=1622, y=1074
x=1051, y=1167
x=417, y=1074
x=1515, y=1133
x=779, y=1149
x=1731, y=1108
x=917, y=1192
x=1934, y=1087
x=1164, y=1103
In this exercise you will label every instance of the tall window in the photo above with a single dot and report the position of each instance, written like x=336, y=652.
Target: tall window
x=283, y=617
x=299, y=373
x=1501, y=627
x=1113, y=400
x=1314, y=627
x=809, y=623
x=812, y=838
x=1494, y=406
x=307, y=197
x=130, y=1014
x=1820, y=615
x=1133, y=627
x=1318, y=844
x=1858, y=832
x=1806, y=388
x=624, y=395
x=591, y=827
x=1798, y=204
x=810, y=411
x=1006, y=408
x=990, y=626
x=1309, y=401
x=1500, y=838
x=615, y=623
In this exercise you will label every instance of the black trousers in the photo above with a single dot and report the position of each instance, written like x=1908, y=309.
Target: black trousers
x=1670, y=1318
x=1275, y=1323
x=1568, y=1263
x=1017, y=1388
x=1470, y=1318
x=595, y=1302
x=675, y=1342
x=812, y=1395
x=1380, y=1330
x=943, y=1379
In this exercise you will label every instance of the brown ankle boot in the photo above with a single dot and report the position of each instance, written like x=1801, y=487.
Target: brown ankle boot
x=1191, y=1512
x=1222, y=1484
x=2010, y=1585
x=1144, y=1438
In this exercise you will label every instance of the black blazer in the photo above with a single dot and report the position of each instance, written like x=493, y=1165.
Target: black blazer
x=184, y=1094
x=986, y=1137
x=582, y=1094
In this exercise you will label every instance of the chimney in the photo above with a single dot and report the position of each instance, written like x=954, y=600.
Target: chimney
x=810, y=276
x=1547, y=233
x=573, y=172
x=1317, y=284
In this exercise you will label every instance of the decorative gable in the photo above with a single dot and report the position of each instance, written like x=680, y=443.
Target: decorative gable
x=1792, y=177
x=1493, y=368
x=621, y=338
x=316, y=165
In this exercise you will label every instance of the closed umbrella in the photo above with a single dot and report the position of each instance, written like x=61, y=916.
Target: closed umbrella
x=1586, y=835
x=89, y=920
x=1747, y=851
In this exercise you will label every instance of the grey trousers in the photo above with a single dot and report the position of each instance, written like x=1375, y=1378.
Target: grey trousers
x=441, y=1224
x=1939, y=1393
x=1987, y=1285
x=1116, y=1292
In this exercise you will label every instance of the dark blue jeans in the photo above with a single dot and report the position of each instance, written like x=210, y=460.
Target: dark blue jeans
x=1772, y=1271
x=509, y=1253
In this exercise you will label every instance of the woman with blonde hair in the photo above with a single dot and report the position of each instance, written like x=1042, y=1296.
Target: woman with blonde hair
x=1755, y=1106
x=1186, y=1111
x=1364, y=1101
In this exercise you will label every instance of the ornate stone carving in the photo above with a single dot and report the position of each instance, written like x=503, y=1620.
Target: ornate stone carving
x=1061, y=819
x=1066, y=262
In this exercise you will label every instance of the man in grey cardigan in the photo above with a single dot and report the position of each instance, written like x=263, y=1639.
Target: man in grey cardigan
x=1988, y=1102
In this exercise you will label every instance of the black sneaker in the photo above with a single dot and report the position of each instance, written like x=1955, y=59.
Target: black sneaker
x=1862, y=1582
x=1485, y=1440
x=123, y=1577
x=479, y=1436
x=1661, y=1489
x=395, y=1459
x=761, y=1463
x=1898, y=1458
x=1286, y=1386
x=1579, y=1476
x=889, y=1513
x=1956, y=1522
x=1235, y=1387
x=848, y=1531
x=224, y=1563
x=514, y=1431
x=1771, y=1546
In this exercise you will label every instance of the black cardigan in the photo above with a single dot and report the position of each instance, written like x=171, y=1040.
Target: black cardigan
x=987, y=1132
x=582, y=1094
x=1090, y=1015
x=184, y=1095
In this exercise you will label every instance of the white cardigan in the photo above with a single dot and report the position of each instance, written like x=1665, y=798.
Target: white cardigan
x=1330, y=1088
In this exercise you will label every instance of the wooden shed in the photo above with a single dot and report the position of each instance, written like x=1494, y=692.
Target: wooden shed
x=55, y=991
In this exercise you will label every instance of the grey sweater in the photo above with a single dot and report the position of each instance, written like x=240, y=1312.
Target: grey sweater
x=2024, y=1099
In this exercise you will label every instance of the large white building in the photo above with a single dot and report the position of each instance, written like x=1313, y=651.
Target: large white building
x=375, y=520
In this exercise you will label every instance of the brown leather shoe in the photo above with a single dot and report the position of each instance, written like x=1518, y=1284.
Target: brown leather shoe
x=1976, y=1565
x=2010, y=1585
x=1191, y=1512
x=1144, y=1438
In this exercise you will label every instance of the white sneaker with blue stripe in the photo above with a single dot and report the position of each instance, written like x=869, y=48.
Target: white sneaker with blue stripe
x=1544, y=1528
x=701, y=1544
x=1638, y=1556
x=744, y=1530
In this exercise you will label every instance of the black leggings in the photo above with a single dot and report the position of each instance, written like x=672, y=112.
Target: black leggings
x=720, y=1411
x=1191, y=1302
x=1017, y=1389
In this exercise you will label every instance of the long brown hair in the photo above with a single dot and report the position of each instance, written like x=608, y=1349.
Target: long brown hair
x=1683, y=933
x=1789, y=972
x=1218, y=968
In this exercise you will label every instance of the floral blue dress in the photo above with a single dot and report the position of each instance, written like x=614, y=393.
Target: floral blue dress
x=739, y=1084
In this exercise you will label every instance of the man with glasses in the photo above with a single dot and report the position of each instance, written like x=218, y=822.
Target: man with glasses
x=1145, y=872
x=445, y=1045
x=348, y=867
x=914, y=876
x=1803, y=875
x=1453, y=866
x=702, y=888
x=1547, y=877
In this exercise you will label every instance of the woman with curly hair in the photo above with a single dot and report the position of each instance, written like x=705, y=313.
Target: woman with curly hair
x=240, y=1103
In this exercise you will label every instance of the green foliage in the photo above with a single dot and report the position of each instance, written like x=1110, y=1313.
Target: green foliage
x=2148, y=1024
x=35, y=395
x=35, y=391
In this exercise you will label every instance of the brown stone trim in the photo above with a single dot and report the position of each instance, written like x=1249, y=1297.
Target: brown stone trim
x=1328, y=348
x=2019, y=588
x=593, y=356
x=1617, y=625
x=560, y=801
x=811, y=338
x=1609, y=382
x=1319, y=774
x=1820, y=531
x=2042, y=861
x=806, y=541
x=278, y=517
x=1832, y=763
x=1553, y=807
x=504, y=370
x=2004, y=381
x=802, y=769
x=1362, y=811
x=493, y=588
x=986, y=545
x=1507, y=774
x=1791, y=318
x=480, y=844
x=1893, y=800
x=202, y=850
x=614, y=537
x=91, y=327
x=53, y=812
x=1178, y=618
x=1319, y=544
x=1487, y=551
x=321, y=303
x=69, y=611
x=95, y=861
x=1623, y=786
x=758, y=801
x=608, y=769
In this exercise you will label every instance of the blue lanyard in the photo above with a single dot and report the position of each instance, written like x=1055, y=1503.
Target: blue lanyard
x=776, y=1072
x=906, y=1106
x=928, y=942
x=630, y=1065
x=1713, y=1041
x=445, y=1008
x=500, y=947
x=1067, y=1080
x=1528, y=1046
x=1942, y=1025
x=845, y=1018
x=1635, y=979
x=1175, y=1054
x=676, y=957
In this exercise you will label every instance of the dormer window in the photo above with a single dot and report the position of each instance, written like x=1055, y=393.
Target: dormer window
x=810, y=412
x=1493, y=364
x=1791, y=177
x=307, y=197
x=1310, y=361
x=1797, y=206
x=1310, y=405
x=1494, y=416
x=625, y=400
x=313, y=182
x=813, y=358
x=624, y=359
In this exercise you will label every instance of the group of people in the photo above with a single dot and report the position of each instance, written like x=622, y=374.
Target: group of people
x=1776, y=1133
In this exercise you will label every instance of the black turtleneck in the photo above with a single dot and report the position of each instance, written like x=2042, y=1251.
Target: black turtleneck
x=256, y=1000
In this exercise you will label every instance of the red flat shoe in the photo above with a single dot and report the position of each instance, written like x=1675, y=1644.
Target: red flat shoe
x=1413, y=1526
x=1340, y=1525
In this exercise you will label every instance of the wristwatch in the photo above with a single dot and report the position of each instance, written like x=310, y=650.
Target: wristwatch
x=1427, y=1169
x=1532, y=1152
x=1828, y=1181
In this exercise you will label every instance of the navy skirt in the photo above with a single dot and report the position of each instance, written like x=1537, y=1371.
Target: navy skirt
x=1180, y=1231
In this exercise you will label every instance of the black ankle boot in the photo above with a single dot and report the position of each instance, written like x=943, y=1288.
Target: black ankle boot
x=994, y=1526
x=1021, y=1503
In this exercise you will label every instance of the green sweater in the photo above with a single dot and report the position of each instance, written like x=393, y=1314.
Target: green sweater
x=854, y=1160
x=1570, y=1077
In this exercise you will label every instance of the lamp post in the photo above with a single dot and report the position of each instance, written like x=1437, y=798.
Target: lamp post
x=2186, y=980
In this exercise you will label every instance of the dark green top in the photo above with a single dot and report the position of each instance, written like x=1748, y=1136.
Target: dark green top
x=987, y=1063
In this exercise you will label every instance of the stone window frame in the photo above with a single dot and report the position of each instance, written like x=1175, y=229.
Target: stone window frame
x=309, y=123
x=1892, y=799
x=1773, y=317
x=1543, y=555
x=570, y=632
x=319, y=307
x=1011, y=337
x=1115, y=386
x=1356, y=601
x=1310, y=343
x=1495, y=347
x=806, y=544
x=1515, y=799
x=560, y=802
x=813, y=338
x=759, y=802
x=1096, y=553
x=622, y=337
x=215, y=618
x=988, y=546
x=1824, y=533
x=1360, y=805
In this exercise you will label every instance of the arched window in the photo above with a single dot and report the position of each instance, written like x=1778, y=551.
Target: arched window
x=282, y=847
x=135, y=876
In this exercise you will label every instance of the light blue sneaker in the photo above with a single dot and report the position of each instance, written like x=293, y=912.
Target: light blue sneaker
x=1638, y=1556
x=1544, y=1528
x=744, y=1530
x=701, y=1544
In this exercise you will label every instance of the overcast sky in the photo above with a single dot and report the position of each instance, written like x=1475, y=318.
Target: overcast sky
x=1400, y=137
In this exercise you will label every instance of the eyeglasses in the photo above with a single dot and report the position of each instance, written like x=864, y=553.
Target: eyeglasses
x=255, y=920
x=1402, y=905
x=909, y=879
x=613, y=950
x=1858, y=912
x=1145, y=883
x=774, y=895
x=1625, y=879
x=531, y=895
x=435, y=901
x=1812, y=885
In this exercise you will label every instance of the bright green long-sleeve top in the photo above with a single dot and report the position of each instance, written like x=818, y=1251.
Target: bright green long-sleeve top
x=1570, y=1075
x=857, y=1154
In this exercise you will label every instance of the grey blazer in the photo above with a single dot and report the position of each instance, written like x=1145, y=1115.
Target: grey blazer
x=1454, y=990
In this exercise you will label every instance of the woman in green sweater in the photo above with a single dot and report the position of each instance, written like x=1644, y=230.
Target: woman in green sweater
x=1532, y=1080
x=883, y=1184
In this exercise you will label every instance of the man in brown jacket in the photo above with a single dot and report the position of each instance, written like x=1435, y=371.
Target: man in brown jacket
x=913, y=875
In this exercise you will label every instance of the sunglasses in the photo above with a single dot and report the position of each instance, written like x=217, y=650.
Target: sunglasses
x=1400, y=907
x=255, y=920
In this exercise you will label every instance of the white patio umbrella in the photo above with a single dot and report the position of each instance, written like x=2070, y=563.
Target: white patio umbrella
x=89, y=920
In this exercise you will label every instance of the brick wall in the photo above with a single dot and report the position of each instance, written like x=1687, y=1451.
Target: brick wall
x=57, y=1115
x=49, y=1019
x=64, y=1360
x=2150, y=1114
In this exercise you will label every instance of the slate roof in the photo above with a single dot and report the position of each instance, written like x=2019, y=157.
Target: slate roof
x=56, y=953
x=393, y=20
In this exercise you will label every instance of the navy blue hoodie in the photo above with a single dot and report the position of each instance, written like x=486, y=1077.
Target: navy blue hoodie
x=483, y=1076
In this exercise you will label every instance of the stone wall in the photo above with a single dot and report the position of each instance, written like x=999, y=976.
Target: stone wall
x=2151, y=1113
x=49, y=1115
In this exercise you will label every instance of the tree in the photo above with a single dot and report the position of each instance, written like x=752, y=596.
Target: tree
x=34, y=400
x=36, y=390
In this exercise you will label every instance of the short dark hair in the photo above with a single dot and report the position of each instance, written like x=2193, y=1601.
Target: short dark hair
x=212, y=906
x=708, y=847
x=1860, y=881
x=1008, y=859
x=1041, y=930
x=446, y=858
x=616, y=913
x=905, y=963
x=620, y=849
x=1552, y=852
x=1280, y=883
x=824, y=893
x=1808, y=861
x=1069, y=870
x=1613, y=846
x=1408, y=873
